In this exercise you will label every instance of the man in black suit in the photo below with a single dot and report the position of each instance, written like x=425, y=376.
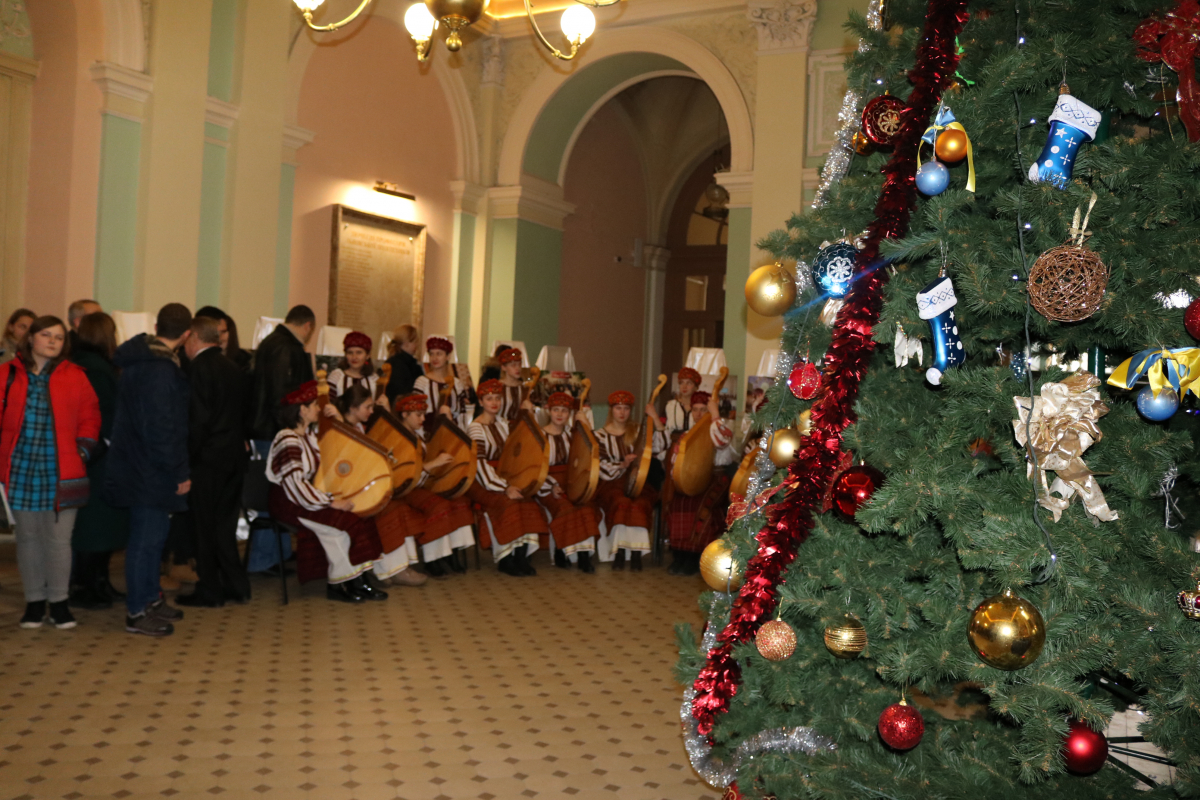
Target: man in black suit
x=217, y=452
x=280, y=365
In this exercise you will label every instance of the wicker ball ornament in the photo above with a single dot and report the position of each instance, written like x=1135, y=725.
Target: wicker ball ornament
x=1067, y=283
x=775, y=640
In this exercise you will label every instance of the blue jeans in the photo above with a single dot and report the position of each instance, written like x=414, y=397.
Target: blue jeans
x=148, y=529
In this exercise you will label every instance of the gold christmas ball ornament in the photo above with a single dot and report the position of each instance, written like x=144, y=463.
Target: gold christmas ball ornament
x=951, y=145
x=776, y=640
x=862, y=145
x=719, y=568
x=770, y=290
x=846, y=639
x=784, y=444
x=1007, y=631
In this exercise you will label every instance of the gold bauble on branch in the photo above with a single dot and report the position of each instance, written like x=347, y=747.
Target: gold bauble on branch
x=1007, y=631
x=775, y=640
x=783, y=447
x=770, y=290
x=951, y=145
x=719, y=568
x=862, y=145
x=846, y=639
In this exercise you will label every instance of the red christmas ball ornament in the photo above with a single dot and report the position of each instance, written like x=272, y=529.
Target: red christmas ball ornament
x=1084, y=749
x=1191, y=318
x=853, y=488
x=901, y=726
x=881, y=119
x=805, y=380
x=731, y=792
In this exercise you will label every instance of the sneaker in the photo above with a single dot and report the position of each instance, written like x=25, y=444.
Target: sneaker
x=408, y=577
x=34, y=614
x=147, y=624
x=160, y=609
x=60, y=616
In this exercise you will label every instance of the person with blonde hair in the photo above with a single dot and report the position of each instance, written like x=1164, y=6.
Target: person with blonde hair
x=402, y=357
x=18, y=323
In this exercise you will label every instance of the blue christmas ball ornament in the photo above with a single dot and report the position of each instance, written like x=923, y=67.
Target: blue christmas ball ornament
x=1157, y=409
x=833, y=269
x=933, y=178
x=1020, y=366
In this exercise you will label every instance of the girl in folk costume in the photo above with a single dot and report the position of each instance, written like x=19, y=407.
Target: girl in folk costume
x=575, y=528
x=694, y=522
x=627, y=519
x=510, y=376
x=446, y=386
x=355, y=407
x=355, y=368
x=442, y=526
x=329, y=538
x=516, y=522
x=678, y=412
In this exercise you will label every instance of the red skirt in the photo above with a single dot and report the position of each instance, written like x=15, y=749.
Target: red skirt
x=311, y=563
x=694, y=522
x=511, y=519
x=440, y=516
x=570, y=524
x=636, y=512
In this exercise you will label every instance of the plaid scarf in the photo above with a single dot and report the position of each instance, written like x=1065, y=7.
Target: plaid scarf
x=33, y=476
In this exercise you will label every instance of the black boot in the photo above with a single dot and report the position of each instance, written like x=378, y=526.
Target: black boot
x=458, y=564
x=619, y=560
x=508, y=565
x=369, y=589
x=636, y=563
x=585, y=562
x=691, y=564
x=521, y=556
x=560, y=560
x=436, y=568
x=345, y=592
x=678, y=563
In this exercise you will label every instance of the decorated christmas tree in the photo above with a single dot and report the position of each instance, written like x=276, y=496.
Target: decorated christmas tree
x=961, y=550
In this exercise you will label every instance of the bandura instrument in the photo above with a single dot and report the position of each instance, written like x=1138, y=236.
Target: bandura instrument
x=643, y=445
x=403, y=450
x=693, y=468
x=525, y=459
x=583, y=460
x=741, y=479
x=352, y=466
x=454, y=479
x=381, y=384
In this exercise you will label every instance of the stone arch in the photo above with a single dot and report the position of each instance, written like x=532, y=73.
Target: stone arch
x=547, y=121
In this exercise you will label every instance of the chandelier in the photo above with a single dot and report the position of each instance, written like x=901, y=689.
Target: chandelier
x=423, y=18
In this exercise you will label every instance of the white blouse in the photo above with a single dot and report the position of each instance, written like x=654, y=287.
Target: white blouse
x=291, y=464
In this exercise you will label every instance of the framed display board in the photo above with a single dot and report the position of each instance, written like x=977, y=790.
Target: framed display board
x=377, y=272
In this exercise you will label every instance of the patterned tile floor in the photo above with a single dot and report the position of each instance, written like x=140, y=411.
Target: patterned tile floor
x=480, y=686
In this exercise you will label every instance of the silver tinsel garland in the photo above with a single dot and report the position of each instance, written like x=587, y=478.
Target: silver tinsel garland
x=850, y=121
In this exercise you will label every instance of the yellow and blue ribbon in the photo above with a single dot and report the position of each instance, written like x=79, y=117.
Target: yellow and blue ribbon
x=945, y=121
x=1178, y=368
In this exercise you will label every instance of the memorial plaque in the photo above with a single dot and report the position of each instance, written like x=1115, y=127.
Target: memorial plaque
x=377, y=275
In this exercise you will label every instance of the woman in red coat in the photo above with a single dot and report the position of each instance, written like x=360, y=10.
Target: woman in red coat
x=49, y=425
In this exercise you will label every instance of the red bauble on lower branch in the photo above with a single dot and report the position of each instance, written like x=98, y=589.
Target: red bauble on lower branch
x=1191, y=319
x=854, y=488
x=901, y=726
x=1084, y=749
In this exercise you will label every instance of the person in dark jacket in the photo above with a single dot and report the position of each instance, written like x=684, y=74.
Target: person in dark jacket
x=217, y=451
x=402, y=356
x=230, y=343
x=280, y=365
x=100, y=528
x=148, y=469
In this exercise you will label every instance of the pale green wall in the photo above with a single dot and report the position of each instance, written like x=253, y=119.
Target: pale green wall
x=464, y=238
x=737, y=270
x=212, y=224
x=537, y=282
x=222, y=49
x=828, y=33
x=117, y=215
x=283, y=241
x=502, y=278
x=17, y=35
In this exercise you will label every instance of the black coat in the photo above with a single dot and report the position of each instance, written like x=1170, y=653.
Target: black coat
x=405, y=371
x=216, y=424
x=280, y=365
x=148, y=458
x=99, y=526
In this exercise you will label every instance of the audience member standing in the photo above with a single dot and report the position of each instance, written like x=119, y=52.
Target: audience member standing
x=49, y=425
x=100, y=528
x=402, y=356
x=76, y=312
x=148, y=461
x=18, y=323
x=280, y=365
x=217, y=450
x=230, y=344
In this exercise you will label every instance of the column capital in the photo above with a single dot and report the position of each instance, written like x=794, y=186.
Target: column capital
x=783, y=26
x=125, y=91
x=220, y=113
x=467, y=196
x=295, y=137
x=740, y=186
x=534, y=200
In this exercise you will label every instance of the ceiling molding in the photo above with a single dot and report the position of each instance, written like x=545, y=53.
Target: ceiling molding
x=622, y=15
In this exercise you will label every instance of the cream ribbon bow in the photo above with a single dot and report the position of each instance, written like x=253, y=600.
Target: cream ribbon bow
x=1064, y=425
x=907, y=347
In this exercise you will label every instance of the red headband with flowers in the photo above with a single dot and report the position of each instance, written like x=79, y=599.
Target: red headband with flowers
x=302, y=395
x=560, y=400
x=492, y=386
x=510, y=355
x=412, y=402
x=621, y=398
x=439, y=343
x=689, y=374
x=356, y=339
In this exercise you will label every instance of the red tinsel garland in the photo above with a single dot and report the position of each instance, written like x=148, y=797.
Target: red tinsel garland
x=846, y=362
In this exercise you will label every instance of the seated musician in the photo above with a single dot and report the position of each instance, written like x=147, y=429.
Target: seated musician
x=510, y=375
x=694, y=522
x=355, y=368
x=329, y=538
x=442, y=525
x=446, y=386
x=627, y=519
x=575, y=528
x=516, y=522
x=679, y=408
x=398, y=545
